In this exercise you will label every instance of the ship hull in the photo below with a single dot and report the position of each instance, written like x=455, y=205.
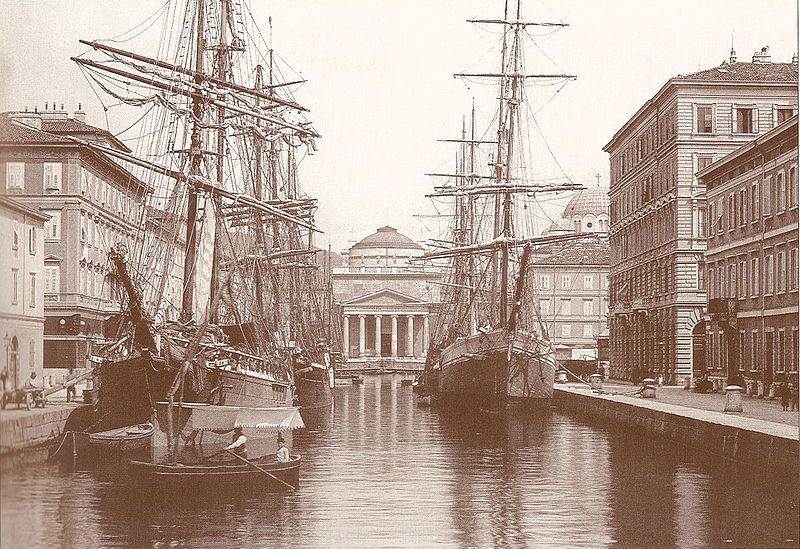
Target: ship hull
x=253, y=390
x=494, y=371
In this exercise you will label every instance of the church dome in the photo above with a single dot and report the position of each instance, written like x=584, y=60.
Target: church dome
x=386, y=237
x=593, y=200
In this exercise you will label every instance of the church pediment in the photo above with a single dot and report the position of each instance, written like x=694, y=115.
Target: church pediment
x=384, y=297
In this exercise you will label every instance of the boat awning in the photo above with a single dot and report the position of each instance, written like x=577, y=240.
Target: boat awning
x=208, y=417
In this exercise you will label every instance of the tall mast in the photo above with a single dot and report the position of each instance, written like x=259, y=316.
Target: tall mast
x=502, y=136
x=221, y=74
x=196, y=160
x=257, y=225
x=513, y=102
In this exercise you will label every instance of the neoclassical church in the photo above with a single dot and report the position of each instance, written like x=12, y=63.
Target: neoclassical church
x=387, y=302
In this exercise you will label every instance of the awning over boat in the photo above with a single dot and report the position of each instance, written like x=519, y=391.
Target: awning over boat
x=208, y=417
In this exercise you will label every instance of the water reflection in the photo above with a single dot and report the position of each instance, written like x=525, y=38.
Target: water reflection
x=380, y=472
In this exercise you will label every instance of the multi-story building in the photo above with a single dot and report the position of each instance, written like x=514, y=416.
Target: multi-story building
x=92, y=202
x=751, y=261
x=386, y=301
x=22, y=306
x=658, y=240
x=571, y=278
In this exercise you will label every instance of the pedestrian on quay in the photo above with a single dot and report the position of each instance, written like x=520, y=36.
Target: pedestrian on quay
x=71, y=391
x=4, y=377
x=793, y=391
x=786, y=394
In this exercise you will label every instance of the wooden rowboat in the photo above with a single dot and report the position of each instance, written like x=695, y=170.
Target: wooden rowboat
x=228, y=477
x=114, y=444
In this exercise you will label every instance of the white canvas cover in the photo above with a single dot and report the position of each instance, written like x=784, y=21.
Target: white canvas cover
x=208, y=417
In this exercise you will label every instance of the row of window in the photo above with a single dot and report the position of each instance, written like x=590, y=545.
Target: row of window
x=33, y=236
x=744, y=118
x=747, y=277
x=644, y=234
x=775, y=349
x=567, y=282
x=648, y=141
x=647, y=188
x=51, y=180
x=566, y=309
x=750, y=203
x=15, y=288
x=565, y=330
x=92, y=187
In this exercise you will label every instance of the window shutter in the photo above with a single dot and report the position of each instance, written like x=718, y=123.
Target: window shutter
x=755, y=118
x=734, y=120
x=713, y=118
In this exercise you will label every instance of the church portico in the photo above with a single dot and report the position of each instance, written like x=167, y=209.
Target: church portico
x=386, y=302
x=387, y=327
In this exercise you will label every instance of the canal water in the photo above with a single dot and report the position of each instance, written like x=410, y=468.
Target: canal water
x=380, y=471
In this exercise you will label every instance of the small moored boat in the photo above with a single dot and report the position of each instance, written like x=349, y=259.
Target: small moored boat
x=114, y=444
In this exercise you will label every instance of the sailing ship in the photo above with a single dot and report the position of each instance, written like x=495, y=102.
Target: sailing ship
x=246, y=322
x=489, y=349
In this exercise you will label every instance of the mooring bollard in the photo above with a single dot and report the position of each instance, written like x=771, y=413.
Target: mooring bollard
x=733, y=398
x=561, y=376
x=648, y=388
x=596, y=382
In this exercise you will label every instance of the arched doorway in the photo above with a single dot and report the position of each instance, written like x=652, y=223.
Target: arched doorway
x=699, y=367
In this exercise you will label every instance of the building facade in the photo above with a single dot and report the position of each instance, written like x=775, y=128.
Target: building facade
x=751, y=262
x=571, y=278
x=92, y=202
x=22, y=306
x=387, y=302
x=657, y=290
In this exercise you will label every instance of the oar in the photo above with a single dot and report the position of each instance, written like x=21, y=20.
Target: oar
x=237, y=456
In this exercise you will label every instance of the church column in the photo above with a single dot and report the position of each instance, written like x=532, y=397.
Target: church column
x=410, y=336
x=346, y=336
x=362, y=335
x=378, y=335
x=394, y=335
x=426, y=333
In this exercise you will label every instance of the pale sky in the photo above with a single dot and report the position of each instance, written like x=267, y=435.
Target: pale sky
x=380, y=85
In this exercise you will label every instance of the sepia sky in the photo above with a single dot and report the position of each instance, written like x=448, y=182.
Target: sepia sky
x=381, y=89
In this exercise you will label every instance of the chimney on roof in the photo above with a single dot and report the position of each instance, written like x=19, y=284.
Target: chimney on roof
x=30, y=119
x=79, y=114
x=733, y=56
x=762, y=56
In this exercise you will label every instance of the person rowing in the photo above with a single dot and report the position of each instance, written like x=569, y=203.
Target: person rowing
x=239, y=443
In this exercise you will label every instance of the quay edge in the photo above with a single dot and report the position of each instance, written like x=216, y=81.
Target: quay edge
x=771, y=447
x=23, y=429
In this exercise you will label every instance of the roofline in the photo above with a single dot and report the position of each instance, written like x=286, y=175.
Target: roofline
x=748, y=147
x=12, y=204
x=382, y=290
x=674, y=82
